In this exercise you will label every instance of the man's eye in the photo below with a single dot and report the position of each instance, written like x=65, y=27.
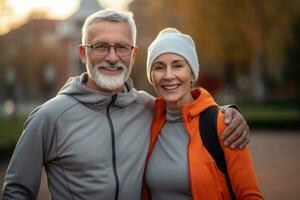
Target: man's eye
x=100, y=47
x=122, y=47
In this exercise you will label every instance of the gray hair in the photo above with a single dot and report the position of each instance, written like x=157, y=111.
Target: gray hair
x=109, y=15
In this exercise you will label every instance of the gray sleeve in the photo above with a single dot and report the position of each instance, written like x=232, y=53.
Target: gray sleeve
x=22, y=180
x=223, y=108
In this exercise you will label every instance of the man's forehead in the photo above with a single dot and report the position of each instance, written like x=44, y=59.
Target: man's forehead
x=107, y=30
x=109, y=23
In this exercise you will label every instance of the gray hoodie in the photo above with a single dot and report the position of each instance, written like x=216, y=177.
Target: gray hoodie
x=93, y=145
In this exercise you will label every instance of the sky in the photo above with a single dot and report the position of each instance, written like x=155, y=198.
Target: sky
x=56, y=9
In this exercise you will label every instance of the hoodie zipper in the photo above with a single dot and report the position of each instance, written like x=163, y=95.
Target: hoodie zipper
x=112, y=132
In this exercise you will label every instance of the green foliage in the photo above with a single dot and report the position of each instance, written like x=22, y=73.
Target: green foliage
x=274, y=115
x=292, y=70
x=11, y=129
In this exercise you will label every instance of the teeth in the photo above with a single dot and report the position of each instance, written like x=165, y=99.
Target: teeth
x=111, y=68
x=170, y=87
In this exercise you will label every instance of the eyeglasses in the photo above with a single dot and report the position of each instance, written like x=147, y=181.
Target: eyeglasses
x=103, y=49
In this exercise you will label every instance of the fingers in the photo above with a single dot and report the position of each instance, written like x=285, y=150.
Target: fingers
x=246, y=141
x=228, y=115
x=236, y=128
x=235, y=120
x=236, y=134
x=242, y=141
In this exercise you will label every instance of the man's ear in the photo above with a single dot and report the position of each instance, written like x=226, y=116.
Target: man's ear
x=134, y=54
x=82, y=53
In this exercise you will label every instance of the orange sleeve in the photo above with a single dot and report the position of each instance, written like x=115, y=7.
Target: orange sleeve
x=240, y=168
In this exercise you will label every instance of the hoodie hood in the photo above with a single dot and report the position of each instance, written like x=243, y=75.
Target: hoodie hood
x=76, y=88
x=203, y=100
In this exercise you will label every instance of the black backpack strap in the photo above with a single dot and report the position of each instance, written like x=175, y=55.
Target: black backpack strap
x=210, y=139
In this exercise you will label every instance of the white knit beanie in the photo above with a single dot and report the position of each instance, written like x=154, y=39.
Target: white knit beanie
x=170, y=40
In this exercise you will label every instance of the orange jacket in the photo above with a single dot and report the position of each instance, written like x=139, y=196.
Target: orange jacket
x=206, y=181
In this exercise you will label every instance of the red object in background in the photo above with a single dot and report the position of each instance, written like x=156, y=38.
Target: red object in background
x=211, y=83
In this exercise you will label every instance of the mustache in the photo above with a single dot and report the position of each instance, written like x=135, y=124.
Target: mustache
x=109, y=65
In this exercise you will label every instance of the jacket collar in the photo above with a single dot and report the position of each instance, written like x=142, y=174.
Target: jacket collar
x=202, y=101
x=76, y=88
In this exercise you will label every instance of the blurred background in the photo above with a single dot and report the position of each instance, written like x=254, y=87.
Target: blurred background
x=249, y=54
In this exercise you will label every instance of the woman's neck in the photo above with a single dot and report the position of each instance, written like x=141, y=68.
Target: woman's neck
x=176, y=105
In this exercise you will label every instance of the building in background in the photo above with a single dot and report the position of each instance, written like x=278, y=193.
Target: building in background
x=69, y=32
x=38, y=57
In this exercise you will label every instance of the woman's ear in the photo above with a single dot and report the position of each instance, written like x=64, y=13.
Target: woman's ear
x=151, y=78
x=193, y=79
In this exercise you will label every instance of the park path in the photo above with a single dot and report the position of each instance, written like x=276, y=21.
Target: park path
x=276, y=156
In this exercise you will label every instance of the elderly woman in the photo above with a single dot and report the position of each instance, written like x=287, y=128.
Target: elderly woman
x=178, y=164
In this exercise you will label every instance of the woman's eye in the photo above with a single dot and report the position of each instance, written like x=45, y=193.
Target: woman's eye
x=177, y=66
x=158, y=67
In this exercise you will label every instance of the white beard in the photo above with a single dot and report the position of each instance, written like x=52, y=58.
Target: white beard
x=106, y=81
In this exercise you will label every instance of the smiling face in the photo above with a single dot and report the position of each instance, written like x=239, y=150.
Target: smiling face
x=108, y=72
x=172, y=79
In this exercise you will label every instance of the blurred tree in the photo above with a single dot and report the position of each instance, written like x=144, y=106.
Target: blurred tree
x=29, y=50
x=292, y=69
x=247, y=29
x=241, y=42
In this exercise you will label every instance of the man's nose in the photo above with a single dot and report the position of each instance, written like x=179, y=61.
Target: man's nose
x=112, y=56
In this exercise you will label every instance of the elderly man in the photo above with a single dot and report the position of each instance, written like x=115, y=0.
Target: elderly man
x=93, y=137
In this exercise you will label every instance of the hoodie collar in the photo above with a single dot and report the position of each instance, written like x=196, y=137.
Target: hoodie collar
x=203, y=100
x=173, y=116
x=76, y=88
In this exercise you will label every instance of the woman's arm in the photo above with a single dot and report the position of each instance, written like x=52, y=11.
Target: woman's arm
x=240, y=169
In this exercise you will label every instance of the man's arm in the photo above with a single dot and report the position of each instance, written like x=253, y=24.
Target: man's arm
x=23, y=176
x=236, y=134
